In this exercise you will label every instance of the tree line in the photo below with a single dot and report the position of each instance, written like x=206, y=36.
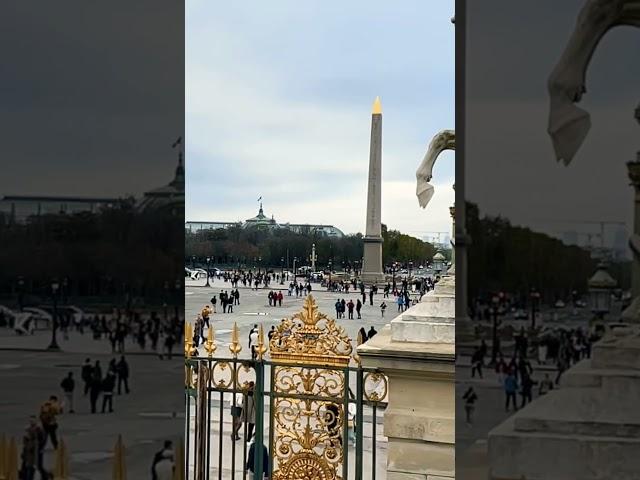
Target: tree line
x=505, y=257
x=251, y=247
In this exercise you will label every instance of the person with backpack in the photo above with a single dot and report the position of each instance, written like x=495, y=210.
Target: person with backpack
x=48, y=418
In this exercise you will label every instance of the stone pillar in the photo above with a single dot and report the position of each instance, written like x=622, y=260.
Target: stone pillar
x=634, y=175
x=452, y=212
x=372, y=261
x=416, y=352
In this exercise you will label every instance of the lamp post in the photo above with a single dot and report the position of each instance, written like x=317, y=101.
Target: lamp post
x=55, y=287
x=393, y=274
x=164, y=303
x=295, y=259
x=193, y=262
x=281, y=270
x=601, y=285
x=535, y=300
x=495, y=347
x=21, y=293
x=208, y=263
x=410, y=268
x=259, y=264
x=178, y=287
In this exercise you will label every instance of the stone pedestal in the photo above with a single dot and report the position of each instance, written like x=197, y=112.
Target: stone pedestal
x=588, y=429
x=416, y=352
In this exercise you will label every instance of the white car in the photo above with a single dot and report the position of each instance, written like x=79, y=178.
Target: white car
x=559, y=304
x=198, y=273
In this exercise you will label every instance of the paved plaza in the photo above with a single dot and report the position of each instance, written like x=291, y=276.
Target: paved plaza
x=143, y=418
x=254, y=309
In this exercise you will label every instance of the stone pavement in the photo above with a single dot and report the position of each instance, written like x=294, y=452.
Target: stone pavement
x=143, y=418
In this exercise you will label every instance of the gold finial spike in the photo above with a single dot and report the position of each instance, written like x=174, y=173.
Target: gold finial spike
x=119, y=466
x=235, y=348
x=187, y=339
x=261, y=348
x=210, y=344
x=377, y=107
x=61, y=468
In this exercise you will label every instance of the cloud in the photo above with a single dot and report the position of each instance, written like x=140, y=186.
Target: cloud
x=278, y=105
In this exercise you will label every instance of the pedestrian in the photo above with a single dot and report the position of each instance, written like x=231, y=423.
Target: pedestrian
x=371, y=296
x=350, y=307
x=526, y=387
x=362, y=335
x=476, y=363
x=86, y=373
x=271, y=332
x=163, y=465
x=95, y=390
x=372, y=333
x=214, y=301
x=108, y=385
x=510, y=389
x=122, y=370
x=251, y=459
x=68, y=385
x=470, y=399
x=399, y=302
x=249, y=411
x=38, y=438
x=280, y=297
x=383, y=307
x=253, y=342
x=253, y=329
x=236, y=416
x=206, y=311
x=28, y=457
x=48, y=418
x=338, y=306
x=358, y=308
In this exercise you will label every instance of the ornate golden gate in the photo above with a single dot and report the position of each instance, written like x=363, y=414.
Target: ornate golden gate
x=306, y=386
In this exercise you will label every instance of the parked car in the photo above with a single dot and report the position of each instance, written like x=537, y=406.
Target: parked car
x=198, y=273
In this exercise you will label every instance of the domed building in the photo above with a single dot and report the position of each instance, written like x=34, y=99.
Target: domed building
x=261, y=221
x=169, y=197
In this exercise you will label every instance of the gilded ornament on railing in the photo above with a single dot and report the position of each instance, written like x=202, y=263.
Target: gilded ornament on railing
x=245, y=374
x=222, y=375
x=375, y=386
x=310, y=337
x=234, y=347
x=261, y=347
x=210, y=345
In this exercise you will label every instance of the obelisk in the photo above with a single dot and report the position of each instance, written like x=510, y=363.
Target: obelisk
x=372, y=258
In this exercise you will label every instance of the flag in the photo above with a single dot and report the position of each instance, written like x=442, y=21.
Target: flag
x=177, y=142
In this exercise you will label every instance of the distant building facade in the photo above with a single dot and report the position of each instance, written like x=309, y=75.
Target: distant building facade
x=261, y=221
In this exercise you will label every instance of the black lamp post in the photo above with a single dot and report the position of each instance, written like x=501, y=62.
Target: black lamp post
x=166, y=297
x=178, y=287
x=259, y=264
x=281, y=270
x=393, y=274
x=21, y=293
x=193, y=262
x=55, y=287
x=535, y=299
x=410, y=268
x=208, y=263
x=495, y=347
x=330, y=266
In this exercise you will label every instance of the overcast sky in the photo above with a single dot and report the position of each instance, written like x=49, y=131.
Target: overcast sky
x=278, y=105
x=510, y=167
x=91, y=96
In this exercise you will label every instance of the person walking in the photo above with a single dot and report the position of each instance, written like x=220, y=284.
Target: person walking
x=214, y=301
x=95, y=390
x=510, y=389
x=249, y=411
x=280, y=298
x=48, y=418
x=236, y=416
x=526, y=387
x=350, y=307
x=358, y=308
x=85, y=374
x=108, y=385
x=28, y=457
x=163, y=465
x=470, y=399
x=476, y=363
x=38, y=438
x=255, y=451
x=68, y=384
x=372, y=333
x=122, y=370
x=371, y=296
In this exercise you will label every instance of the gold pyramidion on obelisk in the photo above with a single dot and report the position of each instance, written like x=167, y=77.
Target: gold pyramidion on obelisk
x=377, y=107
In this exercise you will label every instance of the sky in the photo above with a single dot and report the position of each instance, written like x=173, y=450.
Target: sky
x=510, y=166
x=278, y=106
x=91, y=96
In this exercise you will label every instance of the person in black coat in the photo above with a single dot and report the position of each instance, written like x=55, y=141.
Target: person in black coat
x=251, y=459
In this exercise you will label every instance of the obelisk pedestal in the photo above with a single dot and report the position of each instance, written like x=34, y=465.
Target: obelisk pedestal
x=372, y=271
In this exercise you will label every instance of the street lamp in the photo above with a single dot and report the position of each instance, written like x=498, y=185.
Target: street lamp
x=21, y=292
x=495, y=348
x=295, y=259
x=535, y=300
x=330, y=265
x=193, y=262
x=55, y=286
x=208, y=263
x=259, y=264
x=166, y=297
x=601, y=285
x=281, y=270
